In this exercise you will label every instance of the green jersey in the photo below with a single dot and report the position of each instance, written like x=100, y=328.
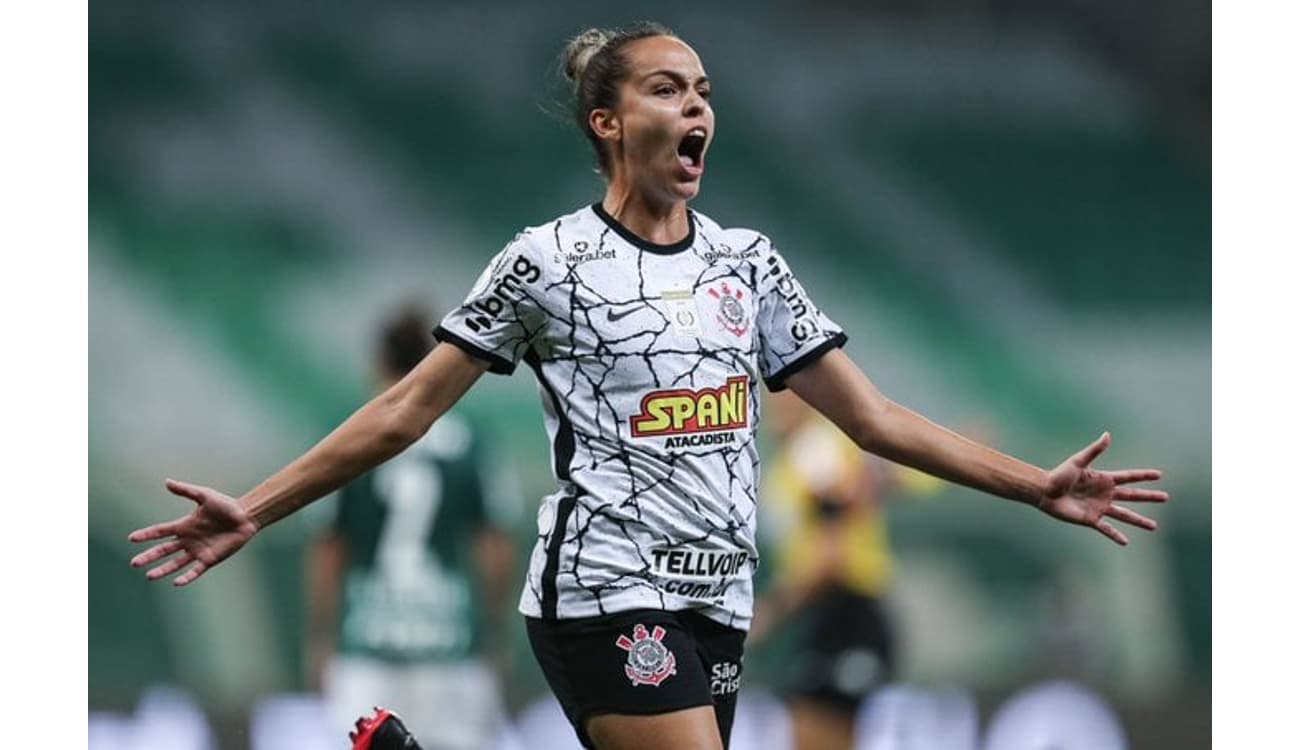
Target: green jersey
x=408, y=591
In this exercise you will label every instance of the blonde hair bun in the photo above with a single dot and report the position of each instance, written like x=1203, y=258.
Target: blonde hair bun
x=581, y=49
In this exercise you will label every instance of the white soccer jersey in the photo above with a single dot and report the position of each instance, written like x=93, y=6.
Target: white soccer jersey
x=648, y=359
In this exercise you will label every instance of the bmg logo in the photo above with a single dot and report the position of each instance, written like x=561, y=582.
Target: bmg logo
x=508, y=289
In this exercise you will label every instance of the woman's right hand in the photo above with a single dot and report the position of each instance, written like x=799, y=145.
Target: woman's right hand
x=216, y=529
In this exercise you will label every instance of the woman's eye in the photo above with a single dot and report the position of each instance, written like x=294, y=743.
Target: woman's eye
x=665, y=91
x=706, y=93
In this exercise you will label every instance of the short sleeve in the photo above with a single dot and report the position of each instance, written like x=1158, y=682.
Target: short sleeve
x=793, y=332
x=503, y=312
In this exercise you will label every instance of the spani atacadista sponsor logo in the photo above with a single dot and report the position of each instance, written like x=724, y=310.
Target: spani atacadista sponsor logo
x=686, y=414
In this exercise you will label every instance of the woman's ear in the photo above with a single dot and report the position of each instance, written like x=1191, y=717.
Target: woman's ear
x=605, y=124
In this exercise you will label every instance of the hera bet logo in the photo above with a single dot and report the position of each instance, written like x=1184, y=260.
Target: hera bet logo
x=649, y=662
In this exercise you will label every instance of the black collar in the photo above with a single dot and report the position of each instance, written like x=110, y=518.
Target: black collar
x=644, y=244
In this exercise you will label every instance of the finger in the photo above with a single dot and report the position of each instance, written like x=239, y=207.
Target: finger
x=190, y=491
x=157, y=531
x=1086, y=456
x=1135, y=475
x=1120, y=513
x=157, y=552
x=191, y=575
x=169, y=567
x=1141, y=496
x=1111, y=533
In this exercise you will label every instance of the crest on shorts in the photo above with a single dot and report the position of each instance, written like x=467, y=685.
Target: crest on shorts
x=731, y=314
x=649, y=662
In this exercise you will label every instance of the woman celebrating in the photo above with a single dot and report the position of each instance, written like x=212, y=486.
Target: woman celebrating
x=648, y=327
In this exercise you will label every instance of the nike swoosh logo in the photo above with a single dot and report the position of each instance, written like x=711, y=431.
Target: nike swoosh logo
x=614, y=318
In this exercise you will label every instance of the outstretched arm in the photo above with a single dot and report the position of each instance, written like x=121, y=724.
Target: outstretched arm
x=1072, y=492
x=220, y=525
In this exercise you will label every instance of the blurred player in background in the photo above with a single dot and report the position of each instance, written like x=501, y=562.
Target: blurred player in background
x=408, y=585
x=822, y=502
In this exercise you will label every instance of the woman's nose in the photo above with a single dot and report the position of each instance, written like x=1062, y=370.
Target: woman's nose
x=693, y=106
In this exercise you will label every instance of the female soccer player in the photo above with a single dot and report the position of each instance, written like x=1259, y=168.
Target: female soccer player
x=648, y=327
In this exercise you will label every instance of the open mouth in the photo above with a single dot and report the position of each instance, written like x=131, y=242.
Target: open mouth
x=690, y=152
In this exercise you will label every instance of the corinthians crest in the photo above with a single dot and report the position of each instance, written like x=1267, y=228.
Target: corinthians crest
x=731, y=314
x=649, y=662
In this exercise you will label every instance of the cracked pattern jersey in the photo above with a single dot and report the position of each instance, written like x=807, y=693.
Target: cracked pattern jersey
x=648, y=359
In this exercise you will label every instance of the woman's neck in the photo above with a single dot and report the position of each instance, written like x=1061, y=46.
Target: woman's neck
x=660, y=223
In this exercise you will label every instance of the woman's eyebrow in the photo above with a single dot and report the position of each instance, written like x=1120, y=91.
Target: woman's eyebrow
x=676, y=77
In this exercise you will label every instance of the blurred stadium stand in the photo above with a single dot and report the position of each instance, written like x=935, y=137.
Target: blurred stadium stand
x=1005, y=203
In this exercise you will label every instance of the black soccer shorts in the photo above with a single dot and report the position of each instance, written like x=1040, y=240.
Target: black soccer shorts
x=642, y=661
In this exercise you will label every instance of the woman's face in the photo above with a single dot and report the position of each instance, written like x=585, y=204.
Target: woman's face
x=664, y=123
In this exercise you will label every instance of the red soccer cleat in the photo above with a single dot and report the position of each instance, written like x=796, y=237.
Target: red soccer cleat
x=383, y=731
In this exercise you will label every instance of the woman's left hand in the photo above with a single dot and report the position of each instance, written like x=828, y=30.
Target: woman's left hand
x=1079, y=494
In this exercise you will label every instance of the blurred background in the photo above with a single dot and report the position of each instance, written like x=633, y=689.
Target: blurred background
x=1005, y=203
